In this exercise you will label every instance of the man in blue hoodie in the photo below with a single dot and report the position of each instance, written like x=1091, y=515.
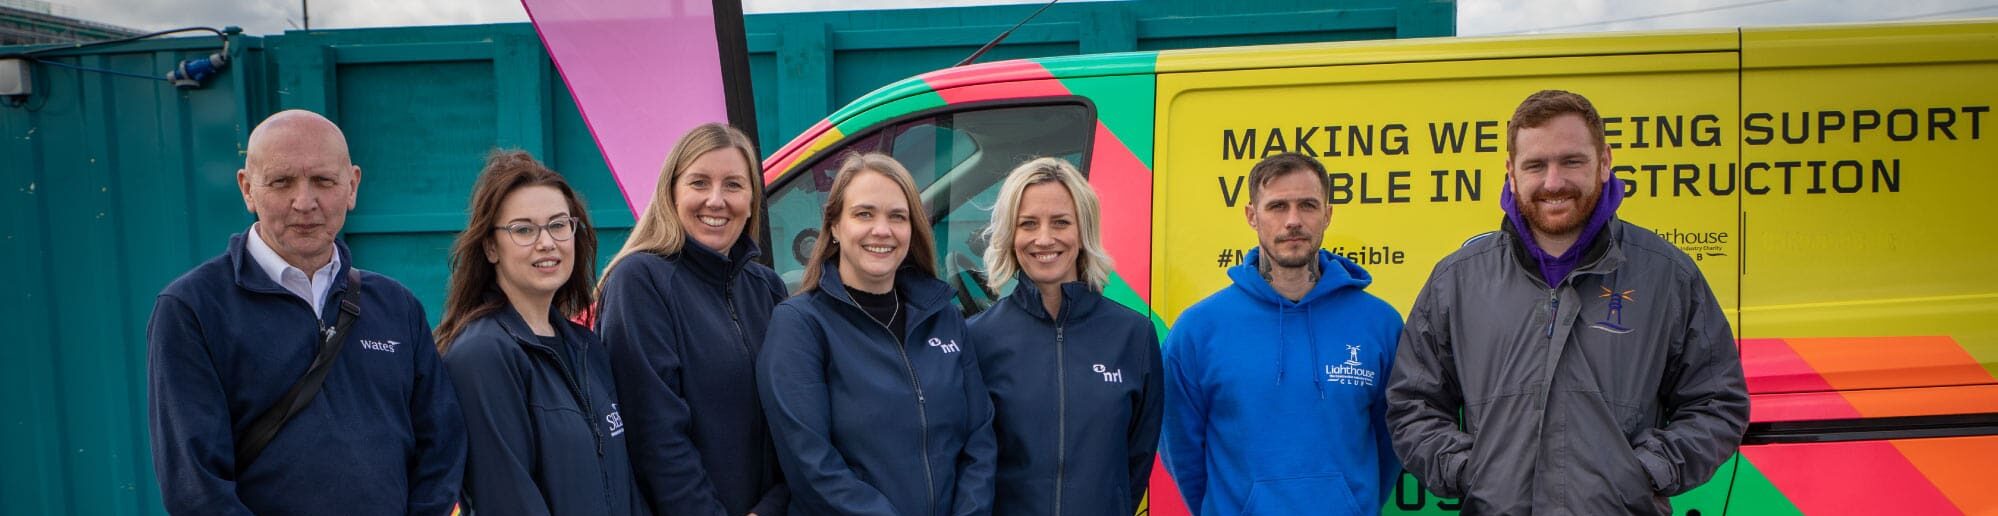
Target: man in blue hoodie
x=1276, y=385
x=228, y=339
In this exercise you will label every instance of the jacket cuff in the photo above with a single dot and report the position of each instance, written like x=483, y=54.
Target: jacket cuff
x=1659, y=471
x=1453, y=484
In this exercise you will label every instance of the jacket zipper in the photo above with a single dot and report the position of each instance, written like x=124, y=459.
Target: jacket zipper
x=742, y=340
x=1553, y=310
x=923, y=418
x=922, y=408
x=1061, y=425
x=728, y=299
x=589, y=417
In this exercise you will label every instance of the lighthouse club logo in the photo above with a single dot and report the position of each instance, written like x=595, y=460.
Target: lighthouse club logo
x=1350, y=372
x=1613, y=318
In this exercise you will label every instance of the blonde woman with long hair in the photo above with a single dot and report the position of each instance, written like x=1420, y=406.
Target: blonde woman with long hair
x=683, y=308
x=1075, y=378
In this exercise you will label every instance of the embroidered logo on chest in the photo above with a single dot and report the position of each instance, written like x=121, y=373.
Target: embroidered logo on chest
x=1109, y=375
x=380, y=345
x=947, y=346
x=1613, y=317
x=1351, y=372
x=616, y=421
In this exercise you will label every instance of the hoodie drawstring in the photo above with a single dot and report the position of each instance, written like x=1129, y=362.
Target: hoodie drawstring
x=1283, y=345
x=1317, y=380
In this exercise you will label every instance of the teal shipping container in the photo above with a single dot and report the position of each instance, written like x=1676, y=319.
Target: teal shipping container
x=115, y=185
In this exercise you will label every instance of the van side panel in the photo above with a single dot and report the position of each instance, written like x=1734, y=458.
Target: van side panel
x=1867, y=289
x=1417, y=153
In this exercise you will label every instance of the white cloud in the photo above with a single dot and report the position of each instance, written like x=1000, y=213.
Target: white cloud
x=1480, y=17
x=1474, y=17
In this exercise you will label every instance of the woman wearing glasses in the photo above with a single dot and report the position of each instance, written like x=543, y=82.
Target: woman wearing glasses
x=683, y=309
x=540, y=409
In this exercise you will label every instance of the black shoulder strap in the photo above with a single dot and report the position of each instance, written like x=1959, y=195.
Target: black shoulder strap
x=301, y=394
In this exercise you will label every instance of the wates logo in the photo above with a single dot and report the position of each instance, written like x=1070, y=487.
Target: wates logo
x=948, y=347
x=1350, y=372
x=616, y=421
x=1613, y=319
x=1109, y=375
x=380, y=345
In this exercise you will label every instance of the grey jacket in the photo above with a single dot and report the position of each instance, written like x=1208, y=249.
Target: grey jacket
x=1604, y=395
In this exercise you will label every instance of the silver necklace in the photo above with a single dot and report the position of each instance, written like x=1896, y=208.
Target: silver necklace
x=897, y=296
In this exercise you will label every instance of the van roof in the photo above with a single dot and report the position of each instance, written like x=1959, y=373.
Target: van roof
x=1799, y=40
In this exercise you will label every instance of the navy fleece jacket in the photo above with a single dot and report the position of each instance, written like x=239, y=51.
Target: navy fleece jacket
x=872, y=423
x=545, y=433
x=1076, y=398
x=384, y=435
x=683, y=333
x=1283, y=399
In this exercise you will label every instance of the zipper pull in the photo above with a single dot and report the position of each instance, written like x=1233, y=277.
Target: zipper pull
x=1554, y=309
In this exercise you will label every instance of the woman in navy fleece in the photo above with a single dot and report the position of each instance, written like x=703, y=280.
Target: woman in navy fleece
x=1075, y=377
x=868, y=380
x=540, y=412
x=683, y=310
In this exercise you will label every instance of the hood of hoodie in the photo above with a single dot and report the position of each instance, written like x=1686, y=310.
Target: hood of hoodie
x=1554, y=268
x=1336, y=272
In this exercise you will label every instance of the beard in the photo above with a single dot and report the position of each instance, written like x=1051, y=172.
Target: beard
x=1551, y=224
x=1302, y=258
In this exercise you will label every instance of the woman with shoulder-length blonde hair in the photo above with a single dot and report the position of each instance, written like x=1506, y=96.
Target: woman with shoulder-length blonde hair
x=866, y=375
x=683, y=308
x=1077, y=386
x=536, y=391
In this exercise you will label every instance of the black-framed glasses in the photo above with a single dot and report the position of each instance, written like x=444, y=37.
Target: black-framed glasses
x=561, y=229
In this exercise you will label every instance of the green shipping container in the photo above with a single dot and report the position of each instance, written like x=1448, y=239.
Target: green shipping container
x=115, y=185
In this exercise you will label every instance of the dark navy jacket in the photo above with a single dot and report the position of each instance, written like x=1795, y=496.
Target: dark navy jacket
x=1076, y=398
x=871, y=423
x=683, y=333
x=384, y=435
x=545, y=434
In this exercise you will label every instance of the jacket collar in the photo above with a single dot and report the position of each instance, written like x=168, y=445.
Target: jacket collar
x=1604, y=254
x=712, y=266
x=923, y=294
x=516, y=327
x=251, y=276
x=1077, y=299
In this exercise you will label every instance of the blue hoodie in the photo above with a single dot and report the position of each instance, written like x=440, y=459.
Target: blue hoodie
x=683, y=333
x=384, y=435
x=546, y=437
x=872, y=423
x=1076, y=397
x=1283, y=399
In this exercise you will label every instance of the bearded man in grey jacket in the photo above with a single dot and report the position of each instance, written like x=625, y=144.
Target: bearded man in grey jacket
x=1570, y=362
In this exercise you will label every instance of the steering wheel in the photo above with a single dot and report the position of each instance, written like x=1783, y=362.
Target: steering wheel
x=962, y=273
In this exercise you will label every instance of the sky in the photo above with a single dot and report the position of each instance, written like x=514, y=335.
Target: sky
x=1474, y=17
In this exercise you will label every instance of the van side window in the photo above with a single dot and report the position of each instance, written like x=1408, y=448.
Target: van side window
x=958, y=159
x=794, y=206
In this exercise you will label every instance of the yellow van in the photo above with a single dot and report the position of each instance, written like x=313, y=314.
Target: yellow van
x=1831, y=182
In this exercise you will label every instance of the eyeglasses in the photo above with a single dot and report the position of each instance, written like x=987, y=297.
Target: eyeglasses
x=561, y=229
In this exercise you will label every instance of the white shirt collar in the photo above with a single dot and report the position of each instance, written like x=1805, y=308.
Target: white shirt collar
x=312, y=290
